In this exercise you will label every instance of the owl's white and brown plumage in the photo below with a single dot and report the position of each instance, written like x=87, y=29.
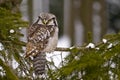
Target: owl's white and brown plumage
x=42, y=38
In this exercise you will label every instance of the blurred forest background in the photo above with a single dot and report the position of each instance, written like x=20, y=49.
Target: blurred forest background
x=78, y=18
x=81, y=23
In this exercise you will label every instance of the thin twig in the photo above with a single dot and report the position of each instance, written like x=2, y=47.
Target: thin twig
x=62, y=49
x=68, y=49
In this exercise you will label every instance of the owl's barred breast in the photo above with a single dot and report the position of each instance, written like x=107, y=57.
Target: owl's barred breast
x=52, y=42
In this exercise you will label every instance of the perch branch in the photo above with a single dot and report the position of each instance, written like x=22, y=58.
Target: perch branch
x=62, y=49
x=67, y=49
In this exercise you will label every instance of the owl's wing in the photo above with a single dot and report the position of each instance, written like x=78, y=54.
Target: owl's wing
x=31, y=30
x=38, y=38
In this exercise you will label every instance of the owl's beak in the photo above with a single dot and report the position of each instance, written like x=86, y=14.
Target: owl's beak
x=44, y=21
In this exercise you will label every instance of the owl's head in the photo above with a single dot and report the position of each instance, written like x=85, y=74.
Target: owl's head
x=47, y=19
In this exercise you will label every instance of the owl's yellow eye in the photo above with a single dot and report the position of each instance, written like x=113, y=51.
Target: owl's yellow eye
x=51, y=22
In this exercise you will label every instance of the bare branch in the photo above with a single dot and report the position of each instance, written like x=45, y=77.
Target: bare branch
x=62, y=49
x=68, y=49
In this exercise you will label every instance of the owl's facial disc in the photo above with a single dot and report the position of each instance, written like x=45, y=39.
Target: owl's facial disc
x=46, y=22
x=43, y=21
x=47, y=19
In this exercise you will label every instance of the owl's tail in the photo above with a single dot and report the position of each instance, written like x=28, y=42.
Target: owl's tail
x=39, y=62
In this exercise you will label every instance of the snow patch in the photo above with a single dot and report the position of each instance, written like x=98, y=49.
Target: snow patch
x=20, y=28
x=90, y=45
x=77, y=58
x=1, y=47
x=110, y=45
x=97, y=48
x=104, y=41
x=12, y=30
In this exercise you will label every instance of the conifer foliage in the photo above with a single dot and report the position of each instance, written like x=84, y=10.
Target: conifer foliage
x=100, y=61
x=11, y=60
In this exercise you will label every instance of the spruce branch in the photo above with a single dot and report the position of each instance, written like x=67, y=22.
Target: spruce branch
x=69, y=49
x=62, y=49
